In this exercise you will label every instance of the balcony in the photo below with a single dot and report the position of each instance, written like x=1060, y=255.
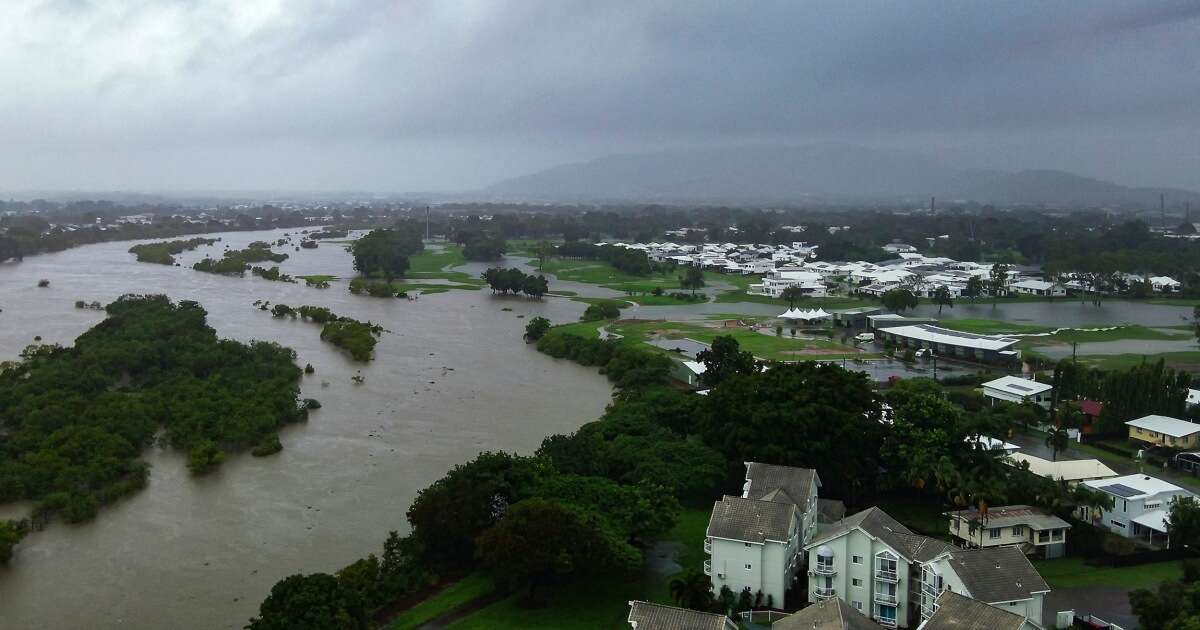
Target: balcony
x=885, y=598
x=708, y=568
x=887, y=575
x=825, y=593
x=708, y=546
x=824, y=569
x=886, y=622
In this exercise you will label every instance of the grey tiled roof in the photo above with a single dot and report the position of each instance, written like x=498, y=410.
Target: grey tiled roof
x=1009, y=515
x=647, y=616
x=765, y=478
x=997, y=574
x=830, y=614
x=749, y=520
x=957, y=612
x=881, y=525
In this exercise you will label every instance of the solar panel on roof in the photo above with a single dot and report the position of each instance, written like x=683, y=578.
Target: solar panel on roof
x=1020, y=387
x=1121, y=490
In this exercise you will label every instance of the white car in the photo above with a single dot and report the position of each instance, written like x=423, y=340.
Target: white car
x=864, y=337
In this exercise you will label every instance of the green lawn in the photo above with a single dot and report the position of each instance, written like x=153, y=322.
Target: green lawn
x=1134, y=332
x=783, y=348
x=595, y=300
x=1069, y=572
x=601, y=602
x=319, y=278
x=1188, y=360
x=432, y=261
x=665, y=300
x=429, y=288
x=582, y=329
x=602, y=273
x=472, y=587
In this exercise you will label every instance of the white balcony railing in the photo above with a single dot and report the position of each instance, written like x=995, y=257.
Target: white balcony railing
x=887, y=575
x=708, y=568
x=825, y=593
x=886, y=622
x=708, y=546
x=884, y=597
x=824, y=569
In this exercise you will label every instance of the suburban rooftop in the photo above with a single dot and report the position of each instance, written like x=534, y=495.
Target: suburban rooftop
x=1134, y=486
x=1018, y=386
x=1166, y=425
x=750, y=520
x=958, y=612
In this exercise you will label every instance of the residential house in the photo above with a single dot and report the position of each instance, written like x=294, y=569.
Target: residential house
x=1015, y=389
x=959, y=612
x=1071, y=471
x=829, y=614
x=755, y=540
x=1164, y=284
x=872, y=562
x=1034, y=530
x=1141, y=506
x=648, y=616
x=1038, y=287
x=1164, y=431
x=1001, y=577
x=1091, y=410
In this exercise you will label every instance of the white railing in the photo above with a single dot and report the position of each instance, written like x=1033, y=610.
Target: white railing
x=708, y=546
x=887, y=575
x=825, y=593
x=885, y=598
x=708, y=568
x=885, y=622
x=825, y=569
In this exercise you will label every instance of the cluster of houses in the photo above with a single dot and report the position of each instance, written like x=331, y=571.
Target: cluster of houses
x=794, y=265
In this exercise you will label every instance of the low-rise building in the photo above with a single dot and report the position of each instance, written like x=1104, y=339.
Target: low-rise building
x=1033, y=530
x=1038, y=287
x=1164, y=284
x=872, y=562
x=1015, y=389
x=1164, y=431
x=756, y=540
x=1001, y=577
x=648, y=616
x=1141, y=506
x=952, y=343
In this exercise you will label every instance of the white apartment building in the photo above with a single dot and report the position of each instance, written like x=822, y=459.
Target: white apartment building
x=1141, y=506
x=755, y=540
x=873, y=563
x=1001, y=577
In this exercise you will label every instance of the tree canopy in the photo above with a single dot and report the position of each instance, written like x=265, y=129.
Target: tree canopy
x=385, y=252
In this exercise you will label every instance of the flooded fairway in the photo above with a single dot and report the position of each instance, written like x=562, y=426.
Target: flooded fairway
x=451, y=378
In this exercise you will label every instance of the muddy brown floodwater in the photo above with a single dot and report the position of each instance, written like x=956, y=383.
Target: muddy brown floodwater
x=450, y=379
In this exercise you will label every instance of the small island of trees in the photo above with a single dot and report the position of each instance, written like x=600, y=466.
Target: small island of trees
x=515, y=281
x=163, y=253
x=355, y=337
x=236, y=262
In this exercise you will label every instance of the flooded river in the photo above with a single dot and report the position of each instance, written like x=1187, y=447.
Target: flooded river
x=451, y=378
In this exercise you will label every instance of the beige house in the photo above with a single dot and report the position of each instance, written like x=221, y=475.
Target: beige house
x=1165, y=431
x=1033, y=530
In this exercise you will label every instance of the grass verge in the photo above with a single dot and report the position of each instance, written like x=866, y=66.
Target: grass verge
x=468, y=589
x=1072, y=572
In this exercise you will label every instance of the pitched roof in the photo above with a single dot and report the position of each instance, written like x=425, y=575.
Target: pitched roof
x=1017, y=386
x=957, y=612
x=997, y=574
x=830, y=614
x=1166, y=425
x=647, y=616
x=1008, y=515
x=750, y=520
x=879, y=524
x=1070, y=470
x=763, y=479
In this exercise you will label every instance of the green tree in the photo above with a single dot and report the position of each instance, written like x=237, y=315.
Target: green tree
x=1173, y=605
x=539, y=541
x=692, y=590
x=942, y=297
x=724, y=359
x=1185, y=524
x=899, y=300
x=310, y=602
x=536, y=328
x=543, y=250
x=385, y=252
x=11, y=533
x=792, y=294
x=1057, y=441
x=692, y=279
x=974, y=288
x=998, y=281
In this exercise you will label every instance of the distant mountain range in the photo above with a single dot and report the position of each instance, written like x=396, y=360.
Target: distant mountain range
x=814, y=173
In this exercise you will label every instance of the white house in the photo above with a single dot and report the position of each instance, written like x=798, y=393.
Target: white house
x=1033, y=530
x=1141, y=506
x=810, y=283
x=1018, y=390
x=648, y=616
x=1001, y=577
x=872, y=562
x=1038, y=287
x=1071, y=471
x=755, y=540
x=1164, y=284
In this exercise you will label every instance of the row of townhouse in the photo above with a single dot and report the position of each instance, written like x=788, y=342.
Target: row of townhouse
x=897, y=577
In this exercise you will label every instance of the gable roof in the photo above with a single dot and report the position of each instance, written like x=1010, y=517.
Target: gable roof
x=763, y=479
x=880, y=525
x=1009, y=515
x=829, y=614
x=1067, y=469
x=749, y=520
x=647, y=616
x=957, y=612
x=997, y=574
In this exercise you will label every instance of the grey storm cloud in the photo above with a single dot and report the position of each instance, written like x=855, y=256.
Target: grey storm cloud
x=394, y=95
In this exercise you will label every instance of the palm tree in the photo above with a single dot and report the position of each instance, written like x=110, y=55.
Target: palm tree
x=1057, y=441
x=692, y=590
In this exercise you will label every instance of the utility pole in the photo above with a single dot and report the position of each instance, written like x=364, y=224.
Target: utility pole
x=932, y=204
x=1162, y=208
x=427, y=223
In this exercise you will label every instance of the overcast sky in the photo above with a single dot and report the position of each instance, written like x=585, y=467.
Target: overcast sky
x=446, y=95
